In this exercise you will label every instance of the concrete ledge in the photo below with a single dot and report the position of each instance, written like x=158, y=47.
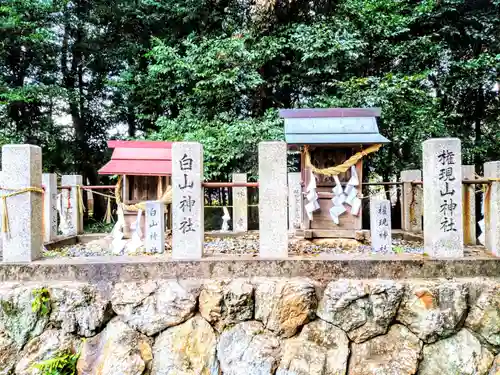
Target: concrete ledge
x=361, y=235
x=322, y=269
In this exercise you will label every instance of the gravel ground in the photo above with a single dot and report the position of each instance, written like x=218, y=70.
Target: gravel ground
x=245, y=245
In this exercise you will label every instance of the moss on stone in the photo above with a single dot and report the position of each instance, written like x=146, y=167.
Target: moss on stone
x=8, y=308
x=41, y=303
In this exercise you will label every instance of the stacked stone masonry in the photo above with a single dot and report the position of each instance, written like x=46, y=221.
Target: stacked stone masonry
x=255, y=326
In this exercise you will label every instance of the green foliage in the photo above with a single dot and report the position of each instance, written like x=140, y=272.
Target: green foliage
x=410, y=115
x=8, y=307
x=230, y=143
x=41, y=304
x=94, y=226
x=398, y=249
x=62, y=363
x=208, y=71
x=355, y=54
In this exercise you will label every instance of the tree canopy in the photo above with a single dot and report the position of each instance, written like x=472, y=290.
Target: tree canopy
x=217, y=71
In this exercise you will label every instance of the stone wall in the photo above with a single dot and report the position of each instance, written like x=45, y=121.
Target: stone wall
x=255, y=326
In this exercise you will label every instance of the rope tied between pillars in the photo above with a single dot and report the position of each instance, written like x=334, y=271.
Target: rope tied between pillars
x=108, y=216
x=79, y=197
x=15, y=192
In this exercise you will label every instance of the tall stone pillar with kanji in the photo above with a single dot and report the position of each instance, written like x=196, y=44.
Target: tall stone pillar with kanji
x=187, y=200
x=442, y=179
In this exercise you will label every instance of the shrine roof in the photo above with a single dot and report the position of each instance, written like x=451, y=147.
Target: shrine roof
x=139, y=158
x=332, y=126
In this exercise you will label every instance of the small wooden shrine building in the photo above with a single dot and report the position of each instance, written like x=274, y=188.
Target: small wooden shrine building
x=328, y=138
x=145, y=170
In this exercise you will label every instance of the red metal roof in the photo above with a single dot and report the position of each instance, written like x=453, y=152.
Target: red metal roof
x=139, y=144
x=139, y=158
x=138, y=167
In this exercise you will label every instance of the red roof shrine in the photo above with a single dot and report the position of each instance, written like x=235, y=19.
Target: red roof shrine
x=139, y=158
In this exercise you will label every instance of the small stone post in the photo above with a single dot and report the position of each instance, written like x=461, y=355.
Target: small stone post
x=72, y=212
x=155, y=227
x=443, y=223
x=187, y=200
x=22, y=168
x=49, y=182
x=294, y=201
x=412, y=201
x=240, y=204
x=380, y=225
x=492, y=212
x=273, y=193
x=469, y=205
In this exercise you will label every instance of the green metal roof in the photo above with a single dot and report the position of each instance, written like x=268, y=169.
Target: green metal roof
x=332, y=126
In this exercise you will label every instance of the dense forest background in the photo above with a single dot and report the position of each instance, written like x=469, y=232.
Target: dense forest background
x=216, y=71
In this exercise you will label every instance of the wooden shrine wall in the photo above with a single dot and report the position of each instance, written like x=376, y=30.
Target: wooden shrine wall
x=143, y=188
x=324, y=157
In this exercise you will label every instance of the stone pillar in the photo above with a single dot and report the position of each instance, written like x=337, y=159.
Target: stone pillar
x=72, y=213
x=240, y=204
x=443, y=224
x=469, y=205
x=492, y=211
x=380, y=225
x=411, y=207
x=187, y=200
x=49, y=182
x=294, y=201
x=273, y=193
x=22, y=168
x=155, y=227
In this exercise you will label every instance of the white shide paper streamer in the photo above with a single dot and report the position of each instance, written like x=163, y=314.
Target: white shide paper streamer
x=312, y=197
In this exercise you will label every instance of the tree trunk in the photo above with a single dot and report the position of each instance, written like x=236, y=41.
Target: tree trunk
x=73, y=82
x=132, y=125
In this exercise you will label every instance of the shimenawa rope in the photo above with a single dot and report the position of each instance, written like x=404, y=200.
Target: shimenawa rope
x=338, y=169
x=166, y=198
x=5, y=215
